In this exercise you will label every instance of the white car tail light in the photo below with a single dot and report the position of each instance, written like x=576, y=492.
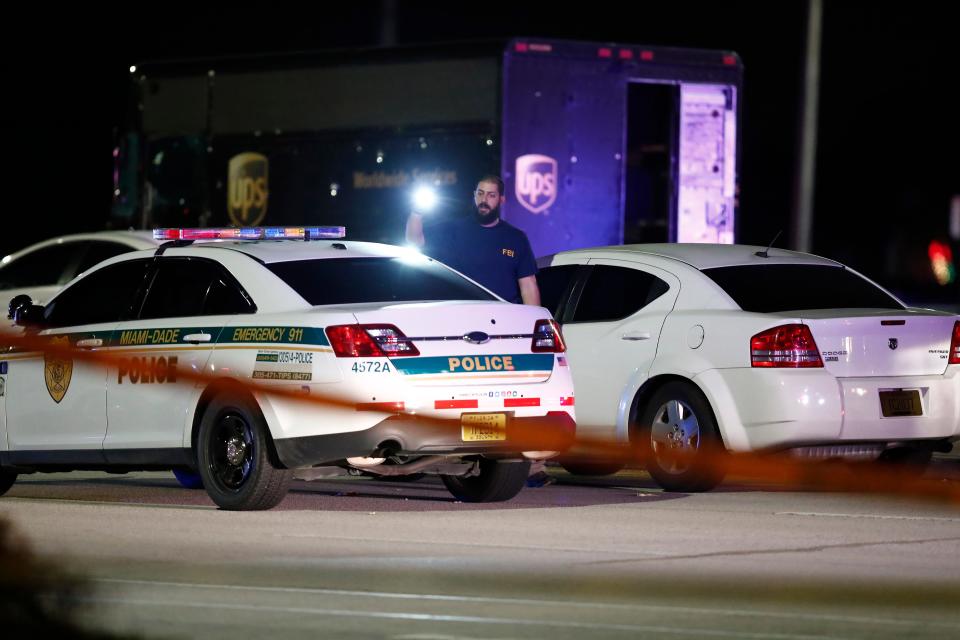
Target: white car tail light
x=955, y=344
x=789, y=345
x=369, y=341
x=547, y=338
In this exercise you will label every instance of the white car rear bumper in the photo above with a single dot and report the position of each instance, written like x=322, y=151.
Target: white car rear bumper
x=766, y=409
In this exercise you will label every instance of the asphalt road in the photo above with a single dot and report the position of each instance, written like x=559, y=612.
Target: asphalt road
x=598, y=558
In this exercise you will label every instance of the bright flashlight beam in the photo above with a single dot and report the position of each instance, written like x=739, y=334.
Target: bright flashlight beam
x=424, y=199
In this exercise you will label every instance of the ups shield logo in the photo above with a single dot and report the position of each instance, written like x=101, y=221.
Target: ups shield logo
x=247, y=189
x=536, y=182
x=57, y=370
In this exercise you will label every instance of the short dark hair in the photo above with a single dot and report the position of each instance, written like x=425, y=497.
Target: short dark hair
x=492, y=178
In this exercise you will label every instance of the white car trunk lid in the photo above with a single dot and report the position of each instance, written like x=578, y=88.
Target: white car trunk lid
x=872, y=344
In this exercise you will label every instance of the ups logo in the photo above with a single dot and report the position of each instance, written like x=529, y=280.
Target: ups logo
x=247, y=189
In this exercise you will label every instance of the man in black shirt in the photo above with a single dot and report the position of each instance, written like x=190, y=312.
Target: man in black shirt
x=489, y=250
x=483, y=247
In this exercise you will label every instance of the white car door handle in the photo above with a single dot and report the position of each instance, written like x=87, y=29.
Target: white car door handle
x=636, y=335
x=90, y=343
x=197, y=337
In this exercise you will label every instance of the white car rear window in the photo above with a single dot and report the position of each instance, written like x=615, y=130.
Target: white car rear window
x=790, y=287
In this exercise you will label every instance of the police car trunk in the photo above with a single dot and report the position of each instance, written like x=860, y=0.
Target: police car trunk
x=427, y=362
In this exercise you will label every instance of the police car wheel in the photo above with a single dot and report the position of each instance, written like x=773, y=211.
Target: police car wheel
x=680, y=439
x=498, y=481
x=234, y=458
x=188, y=478
x=7, y=478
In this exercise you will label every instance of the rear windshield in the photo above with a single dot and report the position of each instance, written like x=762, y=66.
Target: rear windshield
x=792, y=287
x=355, y=280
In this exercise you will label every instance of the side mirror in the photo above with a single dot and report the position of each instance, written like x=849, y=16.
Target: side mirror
x=23, y=312
x=16, y=304
x=29, y=316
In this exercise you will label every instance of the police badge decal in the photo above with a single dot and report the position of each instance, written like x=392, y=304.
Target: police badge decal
x=57, y=370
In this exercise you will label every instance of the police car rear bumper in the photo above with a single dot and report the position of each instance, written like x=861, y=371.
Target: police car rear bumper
x=415, y=435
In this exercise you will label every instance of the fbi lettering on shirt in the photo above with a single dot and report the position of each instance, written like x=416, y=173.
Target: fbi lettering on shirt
x=507, y=252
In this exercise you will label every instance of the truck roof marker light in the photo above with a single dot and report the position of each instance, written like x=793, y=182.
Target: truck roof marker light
x=729, y=60
x=251, y=233
x=646, y=56
x=521, y=47
x=604, y=52
x=542, y=48
x=626, y=54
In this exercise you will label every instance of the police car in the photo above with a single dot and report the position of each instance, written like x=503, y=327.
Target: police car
x=270, y=351
x=689, y=350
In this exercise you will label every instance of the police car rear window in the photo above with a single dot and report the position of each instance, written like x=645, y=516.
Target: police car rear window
x=770, y=288
x=356, y=280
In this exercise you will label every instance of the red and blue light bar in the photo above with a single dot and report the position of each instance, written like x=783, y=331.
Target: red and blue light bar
x=251, y=233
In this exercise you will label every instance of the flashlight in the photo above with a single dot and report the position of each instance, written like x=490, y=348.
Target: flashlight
x=424, y=199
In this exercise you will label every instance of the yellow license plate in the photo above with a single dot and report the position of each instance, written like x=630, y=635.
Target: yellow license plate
x=483, y=427
x=894, y=404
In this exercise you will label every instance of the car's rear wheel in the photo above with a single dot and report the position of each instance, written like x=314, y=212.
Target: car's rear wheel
x=188, y=478
x=590, y=467
x=909, y=460
x=235, y=459
x=497, y=481
x=7, y=478
x=680, y=439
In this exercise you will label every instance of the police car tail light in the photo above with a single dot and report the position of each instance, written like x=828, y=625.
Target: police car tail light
x=547, y=338
x=351, y=341
x=391, y=340
x=789, y=345
x=369, y=341
x=955, y=344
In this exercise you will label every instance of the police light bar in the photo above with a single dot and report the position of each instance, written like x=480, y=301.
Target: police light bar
x=251, y=233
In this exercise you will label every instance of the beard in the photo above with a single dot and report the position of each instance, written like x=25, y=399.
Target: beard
x=485, y=215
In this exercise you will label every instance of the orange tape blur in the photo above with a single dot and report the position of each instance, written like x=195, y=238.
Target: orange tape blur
x=778, y=471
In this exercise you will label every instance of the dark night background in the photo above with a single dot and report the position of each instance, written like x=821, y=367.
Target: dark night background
x=888, y=154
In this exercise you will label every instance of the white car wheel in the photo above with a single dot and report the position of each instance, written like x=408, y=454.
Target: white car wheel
x=683, y=447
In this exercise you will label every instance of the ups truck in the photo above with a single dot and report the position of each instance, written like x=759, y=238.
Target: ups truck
x=597, y=143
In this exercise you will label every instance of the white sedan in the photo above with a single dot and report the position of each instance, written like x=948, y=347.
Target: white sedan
x=41, y=269
x=689, y=350
x=429, y=371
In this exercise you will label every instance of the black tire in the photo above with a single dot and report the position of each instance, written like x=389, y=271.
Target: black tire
x=498, y=481
x=590, y=467
x=912, y=461
x=188, y=478
x=7, y=478
x=680, y=439
x=234, y=456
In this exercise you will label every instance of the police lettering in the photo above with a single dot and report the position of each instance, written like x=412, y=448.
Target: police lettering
x=147, y=370
x=480, y=363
